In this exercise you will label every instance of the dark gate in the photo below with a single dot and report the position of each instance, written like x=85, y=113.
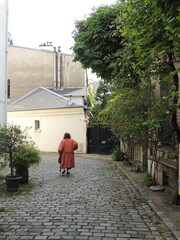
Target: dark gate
x=100, y=140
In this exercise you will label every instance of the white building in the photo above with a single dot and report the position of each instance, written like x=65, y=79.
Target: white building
x=3, y=60
x=48, y=115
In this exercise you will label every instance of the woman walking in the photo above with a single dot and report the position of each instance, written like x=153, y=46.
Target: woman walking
x=66, y=150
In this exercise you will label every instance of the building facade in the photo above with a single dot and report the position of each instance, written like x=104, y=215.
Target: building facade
x=48, y=116
x=30, y=68
x=3, y=60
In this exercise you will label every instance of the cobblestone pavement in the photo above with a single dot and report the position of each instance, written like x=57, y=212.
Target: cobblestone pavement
x=95, y=202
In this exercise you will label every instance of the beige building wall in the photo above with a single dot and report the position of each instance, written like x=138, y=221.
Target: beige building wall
x=30, y=68
x=72, y=73
x=53, y=124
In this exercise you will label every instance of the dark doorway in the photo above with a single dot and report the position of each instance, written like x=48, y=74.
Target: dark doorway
x=100, y=140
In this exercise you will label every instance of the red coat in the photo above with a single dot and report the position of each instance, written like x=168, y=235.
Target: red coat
x=66, y=148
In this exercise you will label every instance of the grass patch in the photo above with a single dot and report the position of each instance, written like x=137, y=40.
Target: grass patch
x=2, y=209
x=143, y=200
x=24, y=189
x=140, y=200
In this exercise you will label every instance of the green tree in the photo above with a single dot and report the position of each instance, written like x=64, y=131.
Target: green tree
x=138, y=117
x=137, y=52
x=150, y=29
x=96, y=41
x=101, y=98
x=11, y=136
x=91, y=99
x=103, y=93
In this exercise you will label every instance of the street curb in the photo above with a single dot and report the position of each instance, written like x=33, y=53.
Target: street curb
x=166, y=221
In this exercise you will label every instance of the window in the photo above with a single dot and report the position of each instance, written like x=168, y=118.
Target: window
x=37, y=124
x=8, y=89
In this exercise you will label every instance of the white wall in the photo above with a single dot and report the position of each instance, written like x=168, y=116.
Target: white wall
x=53, y=125
x=3, y=60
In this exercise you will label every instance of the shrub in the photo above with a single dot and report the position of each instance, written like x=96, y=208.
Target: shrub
x=118, y=155
x=26, y=156
x=148, y=180
x=11, y=136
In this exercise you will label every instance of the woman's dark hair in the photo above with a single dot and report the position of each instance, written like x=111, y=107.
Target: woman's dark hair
x=67, y=135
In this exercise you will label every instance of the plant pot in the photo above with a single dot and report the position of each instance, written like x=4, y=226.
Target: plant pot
x=12, y=183
x=24, y=173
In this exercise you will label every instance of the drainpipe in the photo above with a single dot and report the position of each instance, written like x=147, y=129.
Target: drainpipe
x=59, y=67
x=55, y=73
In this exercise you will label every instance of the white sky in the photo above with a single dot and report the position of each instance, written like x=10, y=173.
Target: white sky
x=32, y=22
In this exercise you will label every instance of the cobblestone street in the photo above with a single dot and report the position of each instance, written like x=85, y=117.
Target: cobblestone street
x=95, y=202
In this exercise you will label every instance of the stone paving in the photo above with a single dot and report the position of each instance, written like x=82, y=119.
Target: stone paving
x=95, y=202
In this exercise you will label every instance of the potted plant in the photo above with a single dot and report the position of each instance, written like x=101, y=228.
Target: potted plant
x=26, y=155
x=11, y=136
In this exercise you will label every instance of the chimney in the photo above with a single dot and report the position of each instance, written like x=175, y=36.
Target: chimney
x=70, y=99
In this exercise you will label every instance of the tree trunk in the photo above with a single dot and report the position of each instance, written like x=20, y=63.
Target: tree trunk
x=145, y=157
x=11, y=164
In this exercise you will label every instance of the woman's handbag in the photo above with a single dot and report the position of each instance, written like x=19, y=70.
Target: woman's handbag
x=59, y=159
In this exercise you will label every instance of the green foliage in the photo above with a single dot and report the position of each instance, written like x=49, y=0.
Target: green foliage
x=134, y=46
x=26, y=156
x=102, y=97
x=125, y=117
x=150, y=30
x=2, y=177
x=103, y=93
x=96, y=41
x=118, y=155
x=11, y=136
x=91, y=99
x=148, y=180
x=2, y=209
